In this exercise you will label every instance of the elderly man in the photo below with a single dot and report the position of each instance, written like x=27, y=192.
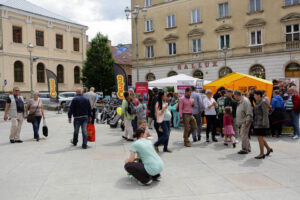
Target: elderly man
x=81, y=110
x=244, y=117
x=198, y=108
x=293, y=107
x=92, y=97
x=15, y=110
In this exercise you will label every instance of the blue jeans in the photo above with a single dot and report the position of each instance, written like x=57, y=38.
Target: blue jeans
x=164, y=139
x=295, y=119
x=80, y=122
x=36, y=126
x=176, y=119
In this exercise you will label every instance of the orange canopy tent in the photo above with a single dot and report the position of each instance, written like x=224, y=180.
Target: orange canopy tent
x=242, y=82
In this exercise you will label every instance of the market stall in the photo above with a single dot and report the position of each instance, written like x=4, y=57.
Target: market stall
x=242, y=82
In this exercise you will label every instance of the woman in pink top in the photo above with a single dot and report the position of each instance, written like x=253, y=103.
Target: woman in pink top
x=227, y=126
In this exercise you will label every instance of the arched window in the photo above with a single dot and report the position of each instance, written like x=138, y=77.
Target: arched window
x=18, y=71
x=224, y=71
x=40, y=69
x=60, y=74
x=292, y=70
x=76, y=75
x=198, y=74
x=150, y=77
x=258, y=71
x=172, y=73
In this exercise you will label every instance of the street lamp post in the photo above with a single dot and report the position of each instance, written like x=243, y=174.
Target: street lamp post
x=30, y=48
x=225, y=51
x=135, y=15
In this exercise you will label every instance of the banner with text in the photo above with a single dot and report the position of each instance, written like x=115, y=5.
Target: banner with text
x=141, y=90
x=182, y=85
x=120, y=80
x=52, y=85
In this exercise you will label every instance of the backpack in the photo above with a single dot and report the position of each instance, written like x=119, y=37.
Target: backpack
x=131, y=109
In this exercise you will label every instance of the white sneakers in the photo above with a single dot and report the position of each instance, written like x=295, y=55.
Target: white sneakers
x=296, y=137
x=144, y=184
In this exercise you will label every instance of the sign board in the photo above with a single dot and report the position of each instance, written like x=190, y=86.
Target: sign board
x=182, y=85
x=141, y=91
x=199, y=85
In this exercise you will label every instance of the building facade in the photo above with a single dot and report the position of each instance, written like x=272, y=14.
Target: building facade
x=58, y=45
x=209, y=39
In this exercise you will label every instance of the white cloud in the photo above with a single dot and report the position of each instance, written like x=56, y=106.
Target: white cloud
x=105, y=16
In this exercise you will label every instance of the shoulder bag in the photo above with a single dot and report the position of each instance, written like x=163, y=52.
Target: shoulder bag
x=31, y=117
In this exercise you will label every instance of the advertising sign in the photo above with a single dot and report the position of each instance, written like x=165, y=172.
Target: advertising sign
x=199, y=85
x=52, y=85
x=120, y=80
x=182, y=85
x=141, y=90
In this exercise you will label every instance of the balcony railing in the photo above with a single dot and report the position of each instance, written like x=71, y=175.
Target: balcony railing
x=292, y=45
x=256, y=49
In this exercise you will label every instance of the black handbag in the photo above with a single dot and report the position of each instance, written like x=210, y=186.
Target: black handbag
x=31, y=117
x=45, y=129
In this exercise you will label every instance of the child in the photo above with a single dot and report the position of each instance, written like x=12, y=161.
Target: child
x=227, y=126
x=143, y=124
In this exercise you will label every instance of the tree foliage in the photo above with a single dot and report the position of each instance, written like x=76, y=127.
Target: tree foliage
x=98, y=70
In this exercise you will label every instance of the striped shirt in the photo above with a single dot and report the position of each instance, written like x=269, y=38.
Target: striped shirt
x=289, y=103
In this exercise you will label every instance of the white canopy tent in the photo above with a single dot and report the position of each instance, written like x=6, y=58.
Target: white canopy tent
x=172, y=81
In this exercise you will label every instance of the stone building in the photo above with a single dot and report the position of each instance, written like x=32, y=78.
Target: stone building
x=211, y=38
x=59, y=45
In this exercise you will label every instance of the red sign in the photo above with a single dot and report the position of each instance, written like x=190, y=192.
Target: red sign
x=141, y=90
x=198, y=65
x=121, y=85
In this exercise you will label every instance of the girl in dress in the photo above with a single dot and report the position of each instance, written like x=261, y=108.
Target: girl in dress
x=227, y=126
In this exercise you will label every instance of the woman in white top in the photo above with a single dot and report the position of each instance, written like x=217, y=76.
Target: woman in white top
x=210, y=113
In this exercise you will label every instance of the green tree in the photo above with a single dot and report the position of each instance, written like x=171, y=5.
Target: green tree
x=98, y=70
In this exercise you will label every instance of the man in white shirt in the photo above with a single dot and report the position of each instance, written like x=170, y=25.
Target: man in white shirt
x=92, y=96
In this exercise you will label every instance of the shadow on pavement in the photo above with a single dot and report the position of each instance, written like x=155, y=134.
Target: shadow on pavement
x=252, y=162
x=118, y=143
x=71, y=148
x=126, y=183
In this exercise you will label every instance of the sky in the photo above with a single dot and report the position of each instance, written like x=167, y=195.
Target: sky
x=104, y=16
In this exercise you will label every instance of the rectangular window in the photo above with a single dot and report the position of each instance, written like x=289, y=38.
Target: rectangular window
x=196, y=45
x=172, y=49
x=291, y=2
x=76, y=44
x=225, y=41
x=149, y=25
x=223, y=10
x=171, y=21
x=149, y=52
x=255, y=38
x=195, y=16
x=148, y=3
x=39, y=36
x=17, y=34
x=59, y=41
x=292, y=33
x=255, y=5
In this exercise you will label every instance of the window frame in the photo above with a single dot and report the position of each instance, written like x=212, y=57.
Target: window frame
x=18, y=75
x=198, y=45
x=256, y=40
x=58, y=76
x=76, y=79
x=220, y=46
x=255, y=6
x=149, y=26
x=292, y=32
x=42, y=44
x=62, y=41
x=224, y=10
x=172, y=21
x=40, y=78
x=150, y=54
x=18, y=37
x=148, y=3
x=292, y=2
x=173, y=49
x=78, y=48
x=197, y=18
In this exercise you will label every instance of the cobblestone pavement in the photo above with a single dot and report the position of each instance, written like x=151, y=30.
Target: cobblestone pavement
x=53, y=169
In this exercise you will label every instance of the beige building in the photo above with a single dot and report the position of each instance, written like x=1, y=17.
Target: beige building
x=211, y=38
x=58, y=45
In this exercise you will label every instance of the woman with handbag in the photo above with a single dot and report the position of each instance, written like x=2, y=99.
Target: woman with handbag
x=36, y=112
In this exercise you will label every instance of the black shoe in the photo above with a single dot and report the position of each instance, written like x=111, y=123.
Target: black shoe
x=199, y=137
x=18, y=141
x=130, y=140
x=12, y=141
x=156, y=178
x=195, y=139
x=73, y=142
x=124, y=137
x=37, y=139
x=207, y=140
x=260, y=157
x=234, y=145
x=84, y=146
x=242, y=152
x=226, y=144
x=215, y=140
x=269, y=152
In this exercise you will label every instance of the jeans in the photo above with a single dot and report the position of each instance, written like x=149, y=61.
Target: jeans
x=80, y=122
x=295, y=119
x=134, y=123
x=197, y=132
x=156, y=126
x=211, y=125
x=176, y=119
x=164, y=139
x=36, y=126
